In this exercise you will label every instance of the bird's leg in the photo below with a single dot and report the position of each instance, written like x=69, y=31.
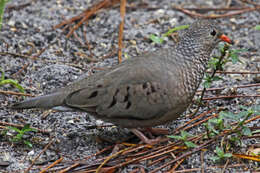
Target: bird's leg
x=143, y=138
x=158, y=131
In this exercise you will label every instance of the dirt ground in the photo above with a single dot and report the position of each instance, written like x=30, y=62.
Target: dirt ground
x=29, y=29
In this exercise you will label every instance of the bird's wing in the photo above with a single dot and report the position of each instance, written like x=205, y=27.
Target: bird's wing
x=138, y=101
x=125, y=92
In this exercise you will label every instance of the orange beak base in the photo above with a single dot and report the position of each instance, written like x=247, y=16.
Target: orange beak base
x=225, y=38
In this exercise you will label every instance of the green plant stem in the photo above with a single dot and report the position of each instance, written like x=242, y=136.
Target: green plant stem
x=222, y=56
x=242, y=122
x=177, y=28
x=2, y=8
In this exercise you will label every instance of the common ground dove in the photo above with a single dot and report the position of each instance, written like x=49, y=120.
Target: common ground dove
x=144, y=91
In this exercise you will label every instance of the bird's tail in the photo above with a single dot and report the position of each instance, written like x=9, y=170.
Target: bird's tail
x=45, y=102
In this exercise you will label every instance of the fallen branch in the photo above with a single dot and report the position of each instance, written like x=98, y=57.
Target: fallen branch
x=21, y=126
x=86, y=15
x=34, y=160
x=121, y=30
x=230, y=97
x=15, y=93
x=215, y=16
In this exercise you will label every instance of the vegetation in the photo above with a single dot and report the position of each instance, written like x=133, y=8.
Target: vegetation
x=184, y=137
x=257, y=27
x=2, y=8
x=159, y=40
x=19, y=137
x=230, y=122
x=15, y=83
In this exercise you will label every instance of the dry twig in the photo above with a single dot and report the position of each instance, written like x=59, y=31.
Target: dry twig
x=121, y=30
x=21, y=126
x=34, y=160
x=215, y=16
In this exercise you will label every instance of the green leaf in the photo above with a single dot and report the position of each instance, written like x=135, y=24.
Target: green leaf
x=242, y=114
x=4, y=81
x=15, y=139
x=243, y=107
x=228, y=115
x=246, y=131
x=215, y=121
x=207, y=84
x=233, y=54
x=221, y=47
x=28, y=143
x=227, y=155
x=190, y=144
x=30, y=130
x=234, y=58
x=18, y=137
x=156, y=39
x=234, y=139
x=215, y=158
x=219, y=152
x=216, y=78
x=2, y=7
x=256, y=131
x=177, y=28
x=213, y=63
x=184, y=133
x=256, y=108
x=175, y=137
x=159, y=40
x=26, y=126
x=257, y=27
x=2, y=74
x=12, y=82
x=211, y=128
x=213, y=134
x=14, y=128
x=208, y=80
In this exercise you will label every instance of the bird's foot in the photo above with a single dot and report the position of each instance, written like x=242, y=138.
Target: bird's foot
x=158, y=131
x=144, y=139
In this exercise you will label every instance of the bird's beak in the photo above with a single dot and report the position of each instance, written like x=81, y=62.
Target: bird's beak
x=225, y=38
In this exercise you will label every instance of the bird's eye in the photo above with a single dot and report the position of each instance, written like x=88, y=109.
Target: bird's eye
x=213, y=33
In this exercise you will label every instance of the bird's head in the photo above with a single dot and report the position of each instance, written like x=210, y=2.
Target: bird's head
x=205, y=33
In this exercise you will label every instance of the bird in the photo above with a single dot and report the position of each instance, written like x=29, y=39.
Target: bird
x=144, y=91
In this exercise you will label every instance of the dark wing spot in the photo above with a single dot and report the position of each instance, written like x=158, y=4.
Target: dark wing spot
x=93, y=94
x=153, y=88
x=128, y=105
x=127, y=95
x=112, y=103
x=114, y=99
x=145, y=85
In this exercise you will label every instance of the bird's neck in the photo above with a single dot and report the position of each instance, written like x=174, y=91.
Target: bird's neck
x=193, y=60
x=194, y=52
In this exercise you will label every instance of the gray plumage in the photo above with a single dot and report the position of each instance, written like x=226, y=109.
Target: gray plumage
x=144, y=91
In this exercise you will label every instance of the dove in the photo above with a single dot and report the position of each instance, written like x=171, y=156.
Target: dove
x=144, y=91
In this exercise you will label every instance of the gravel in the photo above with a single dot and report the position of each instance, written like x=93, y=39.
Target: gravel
x=28, y=30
